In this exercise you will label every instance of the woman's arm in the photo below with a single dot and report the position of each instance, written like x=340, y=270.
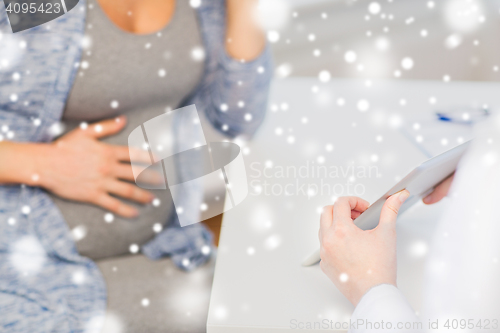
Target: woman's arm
x=238, y=69
x=244, y=38
x=18, y=164
x=78, y=167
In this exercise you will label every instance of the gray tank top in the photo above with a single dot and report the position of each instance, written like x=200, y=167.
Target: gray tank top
x=140, y=76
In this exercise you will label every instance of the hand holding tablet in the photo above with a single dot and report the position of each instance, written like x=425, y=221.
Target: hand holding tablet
x=357, y=260
x=420, y=183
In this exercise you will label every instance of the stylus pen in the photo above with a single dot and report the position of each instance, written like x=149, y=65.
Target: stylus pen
x=312, y=259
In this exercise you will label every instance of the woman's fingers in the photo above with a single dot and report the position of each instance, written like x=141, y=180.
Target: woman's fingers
x=126, y=172
x=123, y=171
x=133, y=155
x=129, y=191
x=106, y=127
x=391, y=207
x=115, y=206
x=440, y=191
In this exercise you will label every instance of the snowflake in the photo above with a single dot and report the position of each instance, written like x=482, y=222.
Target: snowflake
x=195, y=3
x=343, y=277
x=324, y=76
x=27, y=255
x=134, y=248
x=272, y=242
x=78, y=277
x=363, y=105
x=374, y=8
x=157, y=227
x=407, y=63
x=109, y=217
x=350, y=56
x=79, y=232
x=198, y=53
x=26, y=210
x=273, y=36
x=205, y=249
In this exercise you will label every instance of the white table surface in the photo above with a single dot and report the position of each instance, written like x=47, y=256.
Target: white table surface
x=260, y=285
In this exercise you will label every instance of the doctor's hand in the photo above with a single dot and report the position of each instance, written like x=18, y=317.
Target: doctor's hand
x=354, y=259
x=440, y=191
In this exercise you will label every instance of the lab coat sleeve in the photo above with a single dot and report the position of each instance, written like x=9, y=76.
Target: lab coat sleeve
x=384, y=309
x=462, y=271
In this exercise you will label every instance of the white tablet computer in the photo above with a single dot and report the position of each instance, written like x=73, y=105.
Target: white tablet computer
x=419, y=182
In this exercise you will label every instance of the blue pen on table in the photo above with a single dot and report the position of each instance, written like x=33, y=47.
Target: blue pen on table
x=467, y=115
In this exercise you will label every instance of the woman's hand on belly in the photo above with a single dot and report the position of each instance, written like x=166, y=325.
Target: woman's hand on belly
x=79, y=167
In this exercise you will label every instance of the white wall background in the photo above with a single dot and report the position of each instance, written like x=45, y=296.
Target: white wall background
x=342, y=25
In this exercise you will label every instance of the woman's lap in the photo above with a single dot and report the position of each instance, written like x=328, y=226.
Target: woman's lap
x=152, y=296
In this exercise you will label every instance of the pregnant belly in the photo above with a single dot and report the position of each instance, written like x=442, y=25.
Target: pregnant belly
x=106, y=235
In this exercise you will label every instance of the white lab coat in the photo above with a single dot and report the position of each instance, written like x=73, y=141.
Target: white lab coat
x=462, y=279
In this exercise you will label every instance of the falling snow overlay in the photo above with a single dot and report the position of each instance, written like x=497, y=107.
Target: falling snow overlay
x=343, y=95
x=31, y=107
x=381, y=44
x=369, y=39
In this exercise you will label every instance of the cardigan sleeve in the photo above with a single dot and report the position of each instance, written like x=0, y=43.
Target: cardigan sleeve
x=233, y=96
x=233, y=93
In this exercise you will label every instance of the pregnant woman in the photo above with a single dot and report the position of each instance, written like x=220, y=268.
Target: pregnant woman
x=71, y=92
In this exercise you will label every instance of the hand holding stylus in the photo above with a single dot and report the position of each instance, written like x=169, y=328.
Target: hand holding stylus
x=354, y=259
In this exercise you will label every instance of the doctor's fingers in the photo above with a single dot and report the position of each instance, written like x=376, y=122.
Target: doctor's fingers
x=348, y=207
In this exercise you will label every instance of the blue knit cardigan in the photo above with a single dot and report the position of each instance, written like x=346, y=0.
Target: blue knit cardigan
x=45, y=285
